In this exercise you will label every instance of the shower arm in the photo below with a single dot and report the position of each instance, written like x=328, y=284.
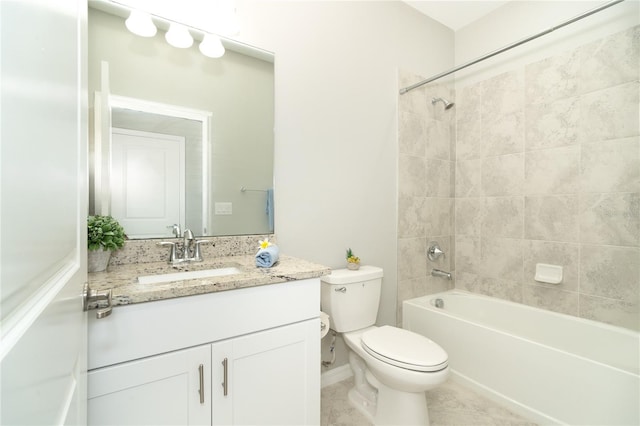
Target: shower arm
x=511, y=46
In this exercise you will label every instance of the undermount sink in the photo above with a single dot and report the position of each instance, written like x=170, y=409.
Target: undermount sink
x=188, y=275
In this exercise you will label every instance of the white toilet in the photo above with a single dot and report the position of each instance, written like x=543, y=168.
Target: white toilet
x=393, y=367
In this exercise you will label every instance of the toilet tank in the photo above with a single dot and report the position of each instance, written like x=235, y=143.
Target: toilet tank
x=351, y=298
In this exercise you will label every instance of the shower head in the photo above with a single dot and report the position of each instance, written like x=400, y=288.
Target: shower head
x=447, y=104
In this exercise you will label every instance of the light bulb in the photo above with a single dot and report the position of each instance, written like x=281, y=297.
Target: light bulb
x=178, y=36
x=211, y=46
x=140, y=23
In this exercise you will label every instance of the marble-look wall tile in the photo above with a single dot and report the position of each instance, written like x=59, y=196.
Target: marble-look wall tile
x=611, y=166
x=469, y=214
x=503, y=175
x=494, y=287
x=551, y=79
x=552, y=171
x=411, y=134
x=439, y=216
x=468, y=254
x=411, y=258
x=566, y=255
x=438, y=178
x=611, y=219
x=438, y=140
x=501, y=258
x=503, y=133
x=469, y=140
x=612, y=113
x=468, y=178
x=552, y=299
x=552, y=124
x=562, y=134
x=611, y=272
x=412, y=176
x=469, y=103
x=551, y=218
x=412, y=215
x=610, y=61
x=503, y=217
x=610, y=311
x=503, y=94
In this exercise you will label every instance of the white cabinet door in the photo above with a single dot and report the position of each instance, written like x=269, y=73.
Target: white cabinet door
x=159, y=390
x=272, y=377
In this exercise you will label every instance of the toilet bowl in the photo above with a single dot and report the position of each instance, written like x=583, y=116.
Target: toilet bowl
x=392, y=367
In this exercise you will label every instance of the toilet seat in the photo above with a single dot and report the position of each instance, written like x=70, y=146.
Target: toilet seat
x=404, y=349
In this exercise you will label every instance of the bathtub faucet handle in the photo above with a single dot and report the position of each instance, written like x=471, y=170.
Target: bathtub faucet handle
x=434, y=251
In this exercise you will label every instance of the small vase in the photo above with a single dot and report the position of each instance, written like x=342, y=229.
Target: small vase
x=353, y=266
x=98, y=260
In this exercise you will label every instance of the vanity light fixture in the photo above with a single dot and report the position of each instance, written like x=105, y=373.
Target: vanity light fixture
x=178, y=36
x=140, y=23
x=211, y=46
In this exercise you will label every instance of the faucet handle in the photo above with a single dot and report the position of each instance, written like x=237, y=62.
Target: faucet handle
x=173, y=256
x=434, y=251
x=197, y=253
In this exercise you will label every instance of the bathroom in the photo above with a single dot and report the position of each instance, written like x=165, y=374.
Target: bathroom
x=340, y=152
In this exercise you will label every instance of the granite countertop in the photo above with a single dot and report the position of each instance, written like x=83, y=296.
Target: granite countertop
x=123, y=279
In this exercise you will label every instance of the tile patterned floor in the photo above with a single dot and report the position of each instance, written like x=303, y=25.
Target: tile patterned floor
x=450, y=404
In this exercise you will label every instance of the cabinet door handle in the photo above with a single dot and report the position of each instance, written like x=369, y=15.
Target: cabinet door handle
x=224, y=376
x=201, y=371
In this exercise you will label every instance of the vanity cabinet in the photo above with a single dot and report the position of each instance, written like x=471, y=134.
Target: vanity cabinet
x=259, y=349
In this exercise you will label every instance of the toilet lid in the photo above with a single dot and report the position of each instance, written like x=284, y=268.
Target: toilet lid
x=404, y=348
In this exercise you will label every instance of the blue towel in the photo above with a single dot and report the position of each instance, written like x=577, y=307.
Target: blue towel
x=266, y=258
x=270, y=209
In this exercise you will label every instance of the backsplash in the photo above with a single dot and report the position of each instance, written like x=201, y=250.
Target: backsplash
x=145, y=251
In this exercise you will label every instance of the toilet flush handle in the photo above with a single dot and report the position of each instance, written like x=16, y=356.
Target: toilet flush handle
x=341, y=289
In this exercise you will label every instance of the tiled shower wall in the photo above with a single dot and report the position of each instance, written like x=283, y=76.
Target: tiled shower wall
x=425, y=188
x=547, y=170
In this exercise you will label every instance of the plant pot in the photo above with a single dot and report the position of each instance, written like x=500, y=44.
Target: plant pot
x=353, y=266
x=98, y=260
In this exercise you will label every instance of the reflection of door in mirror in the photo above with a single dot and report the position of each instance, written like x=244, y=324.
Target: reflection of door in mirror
x=156, y=196
x=147, y=182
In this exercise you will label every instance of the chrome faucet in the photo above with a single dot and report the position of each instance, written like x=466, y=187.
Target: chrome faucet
x=186, y=245
x=187, y=250
x=439, y=273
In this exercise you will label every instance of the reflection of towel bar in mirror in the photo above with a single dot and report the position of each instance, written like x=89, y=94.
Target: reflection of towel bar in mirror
x=243, y=189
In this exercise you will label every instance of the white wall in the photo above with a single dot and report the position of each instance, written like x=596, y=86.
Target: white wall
x=336, y=121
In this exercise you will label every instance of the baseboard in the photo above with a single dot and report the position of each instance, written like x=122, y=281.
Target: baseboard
x=335, y=375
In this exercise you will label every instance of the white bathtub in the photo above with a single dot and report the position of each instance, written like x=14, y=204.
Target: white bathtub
x=549, y=367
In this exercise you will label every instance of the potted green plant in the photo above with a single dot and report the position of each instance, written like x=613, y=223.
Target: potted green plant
x=353, y=261
x=105, y=234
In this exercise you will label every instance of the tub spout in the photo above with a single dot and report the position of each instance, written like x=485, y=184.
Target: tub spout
x=439, y=273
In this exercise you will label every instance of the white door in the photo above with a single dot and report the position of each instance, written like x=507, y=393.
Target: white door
x=43, y=203
x=147, y=182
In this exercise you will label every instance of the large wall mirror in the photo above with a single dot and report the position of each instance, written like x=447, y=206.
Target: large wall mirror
x=187, y=139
